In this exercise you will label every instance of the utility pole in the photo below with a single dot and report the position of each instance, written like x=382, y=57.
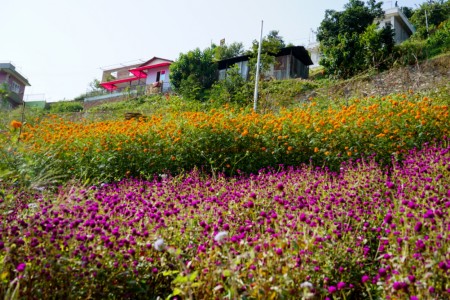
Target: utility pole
x=255, y=96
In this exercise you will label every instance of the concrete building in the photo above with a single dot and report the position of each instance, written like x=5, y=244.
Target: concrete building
x=15, y=85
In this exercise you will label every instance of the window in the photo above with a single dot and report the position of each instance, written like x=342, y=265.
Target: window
x=15, y=87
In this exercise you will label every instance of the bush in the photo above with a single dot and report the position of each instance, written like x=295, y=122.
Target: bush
x=65, y=107
x=439, y=42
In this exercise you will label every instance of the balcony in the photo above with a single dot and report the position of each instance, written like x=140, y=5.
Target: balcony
x=129, y=91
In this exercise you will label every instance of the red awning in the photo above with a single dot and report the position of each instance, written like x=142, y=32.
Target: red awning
x=139, y=71
x=111, y=85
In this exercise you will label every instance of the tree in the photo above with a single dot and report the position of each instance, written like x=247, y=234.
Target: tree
x=227, y=51
x=407, y=11
x=377, y=45
x=433, y=13
x=193, y=73
x=271, y=45
x=233, y=88
x=340, y=33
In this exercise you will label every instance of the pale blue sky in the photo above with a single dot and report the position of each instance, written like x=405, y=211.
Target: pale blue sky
x=60, y=45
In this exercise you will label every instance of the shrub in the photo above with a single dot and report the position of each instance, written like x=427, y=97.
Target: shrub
x=65, y=107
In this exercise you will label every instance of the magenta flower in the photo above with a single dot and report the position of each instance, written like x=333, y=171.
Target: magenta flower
x=21, y=267
x=341, y=285
x=332, y=289
x=365, y=278
x=418, y=226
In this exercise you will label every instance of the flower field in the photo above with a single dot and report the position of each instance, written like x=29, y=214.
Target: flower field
x=296, y=233
x=226, y=140
x=327, y=200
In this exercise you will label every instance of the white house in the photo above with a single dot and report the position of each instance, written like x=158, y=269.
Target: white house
x=400, y=24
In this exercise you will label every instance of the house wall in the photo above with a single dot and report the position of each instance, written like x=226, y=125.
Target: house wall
x=151, y=75
x=401, y=25
x=121, y=73
x=9, y=80
x=2, y=77
x=286, y=67
x=243, y=70
x=298, y=69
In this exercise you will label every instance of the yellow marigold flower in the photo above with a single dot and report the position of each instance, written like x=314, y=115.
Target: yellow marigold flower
x=16, y=124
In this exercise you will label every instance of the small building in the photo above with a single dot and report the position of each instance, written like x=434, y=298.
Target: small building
x=403, y=29
x=290, y=62
x=15, y=83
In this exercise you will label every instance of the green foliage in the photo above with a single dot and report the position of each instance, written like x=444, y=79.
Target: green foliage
x=415, y=50
x=350, y=43
x=65, y=107
x=439, y=42
x=4, y=91
x=377, y=45
x=227, y=51
x=407, y=11
x=271, y=45
x=233, y=88
x=193, y=73
x=277, y=94
x=434, y=13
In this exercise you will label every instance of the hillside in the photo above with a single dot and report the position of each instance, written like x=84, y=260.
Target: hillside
x=429, y=76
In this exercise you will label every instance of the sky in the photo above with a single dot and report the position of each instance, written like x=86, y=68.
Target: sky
x=61, y=46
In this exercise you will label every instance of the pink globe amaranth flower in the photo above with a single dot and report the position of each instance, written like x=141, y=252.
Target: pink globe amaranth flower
x=279, y=251
x=382, y=272
x=332, y=289
x=418, y=226
x=411, y=278
x=365, y=278
x=388, y=218
x=21, y=267
x=341, y=285
x=398, y=285
x=443, y=265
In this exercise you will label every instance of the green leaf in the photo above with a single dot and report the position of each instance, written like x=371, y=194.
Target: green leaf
x=171, y=272
x=192, y=276
x=180, y=279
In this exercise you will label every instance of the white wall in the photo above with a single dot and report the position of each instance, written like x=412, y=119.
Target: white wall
x=151, y=75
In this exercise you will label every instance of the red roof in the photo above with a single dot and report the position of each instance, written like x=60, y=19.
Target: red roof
x=150, y=67
x=111, y=85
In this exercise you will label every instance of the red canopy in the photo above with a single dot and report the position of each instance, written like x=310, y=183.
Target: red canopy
x=111, y=85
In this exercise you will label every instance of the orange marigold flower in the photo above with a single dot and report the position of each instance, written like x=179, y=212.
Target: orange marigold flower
x=316, y=149
x=16, y=124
